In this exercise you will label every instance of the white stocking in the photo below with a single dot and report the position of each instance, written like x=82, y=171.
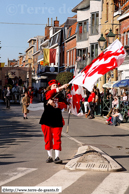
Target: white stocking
x=57, y=153
x=49, y=153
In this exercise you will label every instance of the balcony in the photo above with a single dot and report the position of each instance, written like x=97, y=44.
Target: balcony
x=82, y=64
x=82, y=36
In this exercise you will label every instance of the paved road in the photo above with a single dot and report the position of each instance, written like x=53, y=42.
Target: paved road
x=22, y=154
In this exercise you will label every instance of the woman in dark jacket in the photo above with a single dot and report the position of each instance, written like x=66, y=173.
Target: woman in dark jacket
x=52, y=121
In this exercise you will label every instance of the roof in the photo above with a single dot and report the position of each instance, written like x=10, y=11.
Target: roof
x=73, y=29
x=31, y=39
x=83, y=4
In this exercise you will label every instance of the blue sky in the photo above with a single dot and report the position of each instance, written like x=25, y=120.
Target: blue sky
x=14, y=37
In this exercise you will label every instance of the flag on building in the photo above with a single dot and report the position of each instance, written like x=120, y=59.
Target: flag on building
x=2, y=64
x=49, y=56
x=77, y=94
x=111, y=58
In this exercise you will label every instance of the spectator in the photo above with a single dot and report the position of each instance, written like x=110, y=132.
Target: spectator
x=22, y=93
x=117, y=118
x=20, y=81
x=86, y=104
x=125, y=99
x=102, y=93
x=91, y=101
x=115, y=102
x=109, y=117
x=25, y=102
x=97, y=101
x=30, y=95
x=7, y=96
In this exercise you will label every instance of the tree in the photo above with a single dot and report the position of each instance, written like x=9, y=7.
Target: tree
x=64, y=77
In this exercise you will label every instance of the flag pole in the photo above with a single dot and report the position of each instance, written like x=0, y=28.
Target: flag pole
x=67, y=130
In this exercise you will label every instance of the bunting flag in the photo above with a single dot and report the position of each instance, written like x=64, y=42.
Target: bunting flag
x=46, y=53
x=108, y=60
x=2, y=64
x=49, y=56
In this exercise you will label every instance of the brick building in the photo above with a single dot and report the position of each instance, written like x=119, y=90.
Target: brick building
x=70, y=48
x=12, y=63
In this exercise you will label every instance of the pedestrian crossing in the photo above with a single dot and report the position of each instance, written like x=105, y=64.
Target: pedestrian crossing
x=113, y=183
x=14, y=174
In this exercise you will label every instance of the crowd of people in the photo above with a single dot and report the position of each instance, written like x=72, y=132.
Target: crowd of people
x=91, y=103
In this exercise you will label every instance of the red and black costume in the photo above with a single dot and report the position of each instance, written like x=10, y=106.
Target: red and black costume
x=30, y=95
x=52, y=121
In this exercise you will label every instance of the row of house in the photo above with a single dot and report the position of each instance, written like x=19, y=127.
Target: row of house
x=76, y=40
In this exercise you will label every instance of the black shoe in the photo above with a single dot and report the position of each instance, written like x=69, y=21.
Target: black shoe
x=58, y=161
x=26, y=117
x=49, y=160
x=90, y=117
x=23, y=117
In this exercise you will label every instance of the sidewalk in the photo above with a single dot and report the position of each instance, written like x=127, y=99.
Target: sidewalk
x=101, y=119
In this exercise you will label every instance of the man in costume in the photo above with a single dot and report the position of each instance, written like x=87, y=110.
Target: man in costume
x=52, y=121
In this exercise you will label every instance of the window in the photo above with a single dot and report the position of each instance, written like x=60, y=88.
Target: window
x=69, y=32
x=67, y=57
x=94, y=51
x=55, y=39
x=82, y=53
x=116, y=33
x=82, y=33
x=94, y=23
x=71, y=58
x=124, y=38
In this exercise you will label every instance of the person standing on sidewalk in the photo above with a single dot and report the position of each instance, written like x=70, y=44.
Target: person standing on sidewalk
x=25, y=104
x=30, y=95
x=91, y=101
x=7, y=96
x=52, y=121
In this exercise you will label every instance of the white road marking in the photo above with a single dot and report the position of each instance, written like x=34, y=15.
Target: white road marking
x=66, y=135
x=15, y=174
x=113, y=183
x=63, y=178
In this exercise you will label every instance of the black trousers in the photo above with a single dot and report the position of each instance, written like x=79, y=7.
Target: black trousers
x=92, y=106
x=7, y=100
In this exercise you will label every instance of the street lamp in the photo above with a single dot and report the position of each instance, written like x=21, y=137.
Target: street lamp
x=110, y=37
x=101, y=42
x=30, y=72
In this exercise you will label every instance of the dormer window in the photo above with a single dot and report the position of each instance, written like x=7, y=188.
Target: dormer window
x=69, y=32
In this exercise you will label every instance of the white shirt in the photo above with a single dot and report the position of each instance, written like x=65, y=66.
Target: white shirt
x=124, y=98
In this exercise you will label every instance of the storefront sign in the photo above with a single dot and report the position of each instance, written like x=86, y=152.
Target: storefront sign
x=13, y=73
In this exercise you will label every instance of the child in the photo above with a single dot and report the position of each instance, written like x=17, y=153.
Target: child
x=25, y=102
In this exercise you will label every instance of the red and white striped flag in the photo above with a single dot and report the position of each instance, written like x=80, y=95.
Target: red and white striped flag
x=108, y=60
x=77, y=94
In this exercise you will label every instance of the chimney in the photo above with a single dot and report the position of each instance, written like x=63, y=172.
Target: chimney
x=48, y=21
x=51, y=22
x=56, y=23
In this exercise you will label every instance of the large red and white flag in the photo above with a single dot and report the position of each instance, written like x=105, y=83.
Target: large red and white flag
x=109, y=59
x=77, y=94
